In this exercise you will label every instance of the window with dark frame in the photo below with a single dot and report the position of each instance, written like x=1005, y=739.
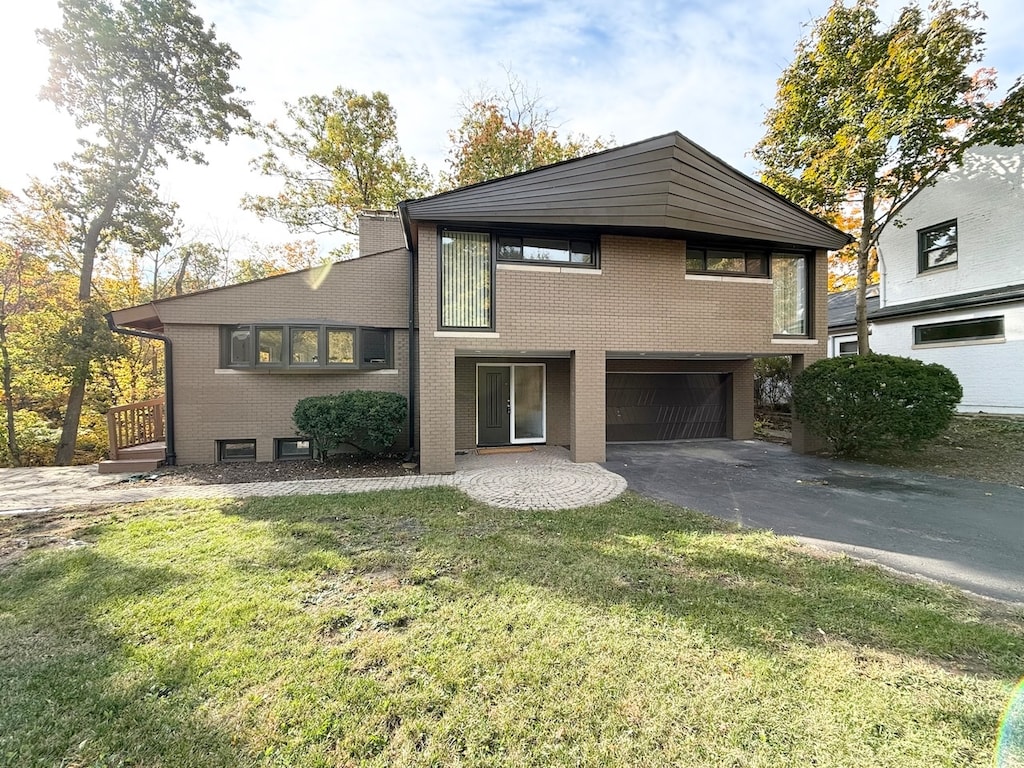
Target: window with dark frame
x=937, y=246
x=848, y=348
x=975, y=329
x=725, y=261
x=236, y=450
x=305, y=346
x=293, y=448
x=791, y=294
x=546, y=250
x=466, y=278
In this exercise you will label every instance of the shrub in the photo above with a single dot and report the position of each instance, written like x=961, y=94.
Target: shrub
x=368, y=420
x=36, y=439
x=866, y=402
x=773, y=382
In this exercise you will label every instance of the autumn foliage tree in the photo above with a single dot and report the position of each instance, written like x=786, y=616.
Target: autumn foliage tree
x=871, y=114
x=336, y=156
x=500, y=134
x=145, y=81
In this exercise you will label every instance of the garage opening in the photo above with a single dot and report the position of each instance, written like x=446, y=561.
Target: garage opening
x=666, y=406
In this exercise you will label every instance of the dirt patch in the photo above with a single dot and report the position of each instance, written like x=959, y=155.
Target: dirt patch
x=983, y=447
x=22, y=534
x=351, y=466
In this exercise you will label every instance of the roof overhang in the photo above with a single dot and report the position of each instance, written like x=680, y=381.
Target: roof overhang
x=143, y=317
x=666, y=184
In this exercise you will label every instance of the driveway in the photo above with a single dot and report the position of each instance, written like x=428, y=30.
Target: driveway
x=965, y=533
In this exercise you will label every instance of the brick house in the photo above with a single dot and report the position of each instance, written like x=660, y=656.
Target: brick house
x=620, y=296
x=951, y=287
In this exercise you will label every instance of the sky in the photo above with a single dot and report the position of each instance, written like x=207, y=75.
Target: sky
x=624, y=70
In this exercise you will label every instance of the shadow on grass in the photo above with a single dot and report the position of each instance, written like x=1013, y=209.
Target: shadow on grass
x=74, y=693
x=750, y=589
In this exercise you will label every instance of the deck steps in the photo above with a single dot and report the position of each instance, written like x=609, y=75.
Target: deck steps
x=139, y=458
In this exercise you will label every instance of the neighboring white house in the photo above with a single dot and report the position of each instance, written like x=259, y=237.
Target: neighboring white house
x=952, y=281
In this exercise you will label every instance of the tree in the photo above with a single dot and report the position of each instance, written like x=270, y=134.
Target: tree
x=502, y=134
x=35, y=299
x=339, y=155
x=145, y=82
x=871, y=115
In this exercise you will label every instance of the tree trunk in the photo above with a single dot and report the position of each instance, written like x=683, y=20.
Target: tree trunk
x=73, y=414
x=863, y=251
x=5, y=357
x=76, y=396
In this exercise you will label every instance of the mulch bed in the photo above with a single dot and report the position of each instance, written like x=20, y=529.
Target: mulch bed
x=353, y=466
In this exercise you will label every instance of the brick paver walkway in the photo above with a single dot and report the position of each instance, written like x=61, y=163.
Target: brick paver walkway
x=542, y=479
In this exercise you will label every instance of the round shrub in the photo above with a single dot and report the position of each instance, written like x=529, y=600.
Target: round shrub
x=371, y=421
x=866, y=402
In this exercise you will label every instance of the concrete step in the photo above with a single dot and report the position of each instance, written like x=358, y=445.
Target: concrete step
x=116, y=466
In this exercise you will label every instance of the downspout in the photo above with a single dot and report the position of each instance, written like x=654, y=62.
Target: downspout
x=170, y=456
x=413, y=356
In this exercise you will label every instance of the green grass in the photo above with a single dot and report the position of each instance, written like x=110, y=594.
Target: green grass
x=421, y=628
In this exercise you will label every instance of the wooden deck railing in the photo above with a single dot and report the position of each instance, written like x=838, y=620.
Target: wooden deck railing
x=135, y=424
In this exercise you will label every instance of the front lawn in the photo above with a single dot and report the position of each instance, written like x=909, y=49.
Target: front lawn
x=422, y=628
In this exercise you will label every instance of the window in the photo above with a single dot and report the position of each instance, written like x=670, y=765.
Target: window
x=724, y=261
x=293, y=448
x=305, y=346
x=544, y=249
x=341, y=344
x=270, y=342
x=466, y=276
x=236, y=450
x=848, y=348
x=964, y=331
x=790, y=289
x=937, y=246
x=241, y=346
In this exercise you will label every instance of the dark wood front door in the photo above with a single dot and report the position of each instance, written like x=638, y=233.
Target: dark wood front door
x=494, y=405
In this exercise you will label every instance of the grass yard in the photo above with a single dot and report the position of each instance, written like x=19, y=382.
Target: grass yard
x=419, y=628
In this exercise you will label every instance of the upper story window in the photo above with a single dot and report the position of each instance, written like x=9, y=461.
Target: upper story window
x=546, y=250
x=466, y=274
x=937, y=246
x=791, y=294
x=726, y=261
x=305, y=346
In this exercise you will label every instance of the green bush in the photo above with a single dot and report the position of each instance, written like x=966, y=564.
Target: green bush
x=866, y=402
x=35, y=437
x=368, y=420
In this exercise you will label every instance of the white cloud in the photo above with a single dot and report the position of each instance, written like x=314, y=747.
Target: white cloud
x=630, y=70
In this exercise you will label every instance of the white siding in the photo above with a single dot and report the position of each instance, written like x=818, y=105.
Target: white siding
x=986, y=197
x=991, y=373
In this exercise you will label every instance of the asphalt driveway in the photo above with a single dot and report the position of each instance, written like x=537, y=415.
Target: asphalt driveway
x=965, y=533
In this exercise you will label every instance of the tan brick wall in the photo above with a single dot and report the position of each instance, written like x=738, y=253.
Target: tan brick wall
x=641, y=301
x=212, y=404
x=379, y=232
x=370, y=291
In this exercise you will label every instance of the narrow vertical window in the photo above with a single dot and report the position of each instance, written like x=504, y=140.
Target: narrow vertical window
x=789, y=284
x=465, y=274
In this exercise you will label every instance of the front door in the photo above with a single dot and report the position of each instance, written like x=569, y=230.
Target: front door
x=510, y=403
x=494, y=404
